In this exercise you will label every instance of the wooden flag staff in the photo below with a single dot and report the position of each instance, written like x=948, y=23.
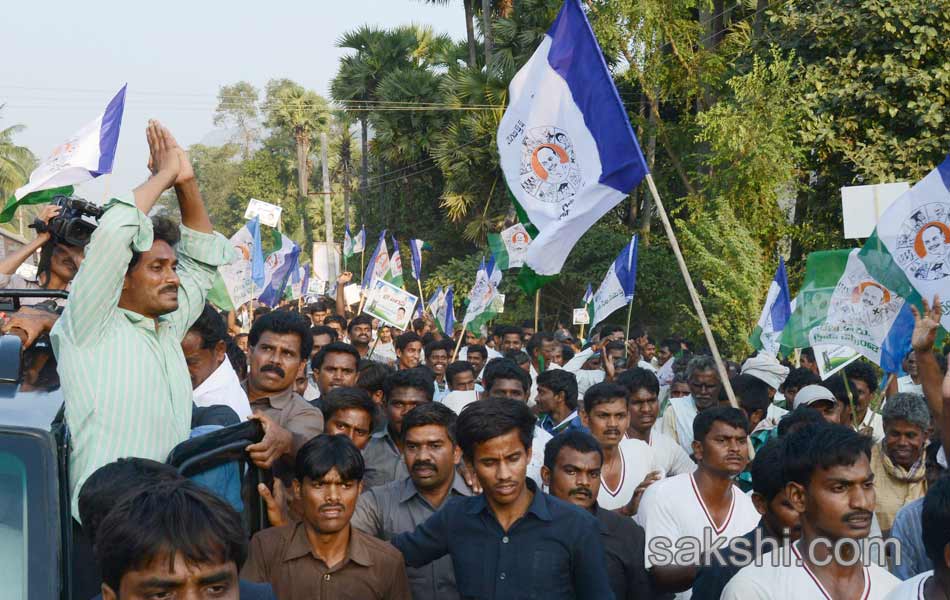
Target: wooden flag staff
x=720, y=366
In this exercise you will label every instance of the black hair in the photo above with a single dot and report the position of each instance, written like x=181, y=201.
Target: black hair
x=519, y=357
x=502, y=368
x=602, y=393
x=935, y=519
x=802, y=416
x=418, y=324
x=324, y=453
x=704, y=421
x=639, y=378
x=503, y=330
x=419, y=378
x=166, y=519
x=335, y=319
x=808, y=353
x=432, y=413
x=766, y=469
x=210, y=327
x=372, y=375
x=443, y=344
x=479, y=348
x=835, y=385
x=362, y=319
x=44, y=266
x=320, y=305
x=575, y=439
x=237, y=357
x=343, y=398
x=403, y=341
x=537, y=340
x=559, y=380
x=283, y=322
x=109, y=483
x=324, y=330
x=333, y=348
x=163, y=229
x=822, y=446
x=614, y=345
x=862, y=371
x=799, y=378
x=607, y=330
x=493, y=417
x=752, y=393
x=637, y=331
x=567, y=353
x=459, y=366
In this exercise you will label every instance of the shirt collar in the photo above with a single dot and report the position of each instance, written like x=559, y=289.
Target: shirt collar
x=356, y=551
x=408, y=489
x=565, y=423
x=140, y=321
x=538, y=507
x=279, y=400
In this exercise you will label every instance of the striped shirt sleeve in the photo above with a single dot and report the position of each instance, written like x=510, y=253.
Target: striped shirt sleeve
x=199, y=255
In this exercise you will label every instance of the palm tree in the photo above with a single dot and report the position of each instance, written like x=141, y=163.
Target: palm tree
x=469, y=27
x=16, y=162
x=302, y=113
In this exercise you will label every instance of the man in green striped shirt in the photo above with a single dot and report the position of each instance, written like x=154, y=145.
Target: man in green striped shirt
x=124, y=377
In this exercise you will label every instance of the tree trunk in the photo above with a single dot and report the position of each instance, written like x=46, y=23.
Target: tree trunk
x=364, y=164
x=486, y=32
x=303, y=176
x=760, y=17
x=470, y=33
x=345, y=157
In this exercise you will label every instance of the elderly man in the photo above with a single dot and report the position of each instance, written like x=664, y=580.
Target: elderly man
x=704, y=384
x=898, y=462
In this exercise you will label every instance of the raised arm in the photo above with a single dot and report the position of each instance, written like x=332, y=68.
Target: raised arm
x=124, y=227
x=341, y=282
x=12, y=261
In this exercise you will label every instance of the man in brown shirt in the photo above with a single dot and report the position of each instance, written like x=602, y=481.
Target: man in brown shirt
x=322, y=557
x=279, y=345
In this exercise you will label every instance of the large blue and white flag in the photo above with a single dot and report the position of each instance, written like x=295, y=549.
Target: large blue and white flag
x=566, y=146
x=257, y=252
x=88, y=153
x=445, y=313
x=775, y=313
x=278, y=268
x=616, y=290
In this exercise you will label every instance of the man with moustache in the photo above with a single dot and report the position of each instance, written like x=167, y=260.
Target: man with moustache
x=321, y=556
x=431, y=455
x=700, y=505
x=571, y=472
x=360, y=332
x=513, y=539
x=279, y=343
x=704, y=383
x=831, y=487
x=333, y=367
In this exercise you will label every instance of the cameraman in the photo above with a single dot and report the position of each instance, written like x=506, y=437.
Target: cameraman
x=59, y=262
x=141, y=286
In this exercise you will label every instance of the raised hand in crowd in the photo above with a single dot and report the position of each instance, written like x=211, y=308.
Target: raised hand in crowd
x=276, y=501
x=631, y=507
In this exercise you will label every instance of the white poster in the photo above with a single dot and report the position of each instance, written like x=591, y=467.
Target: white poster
x=581, y=316
x=390, y=304
x=268, y=213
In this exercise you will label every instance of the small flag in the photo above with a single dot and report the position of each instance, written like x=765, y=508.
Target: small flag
x=359, y=242
x=565, y=144
x=87, y=154
x=279, y=267
x=510, y=246
x=416, y=247
x=445, y=315
x=589, y=301
x=617, y=288
x=482, y=307
x=395, y=265
x=775, y=313
x=347, y=243
x=378, y=266
x=842, y=304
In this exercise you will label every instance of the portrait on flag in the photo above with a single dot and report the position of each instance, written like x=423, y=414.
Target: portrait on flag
x=390, y=304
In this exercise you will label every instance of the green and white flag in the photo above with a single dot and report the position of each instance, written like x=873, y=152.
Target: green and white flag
x=510, y=246
x=394, y=276
x=482, y=299
x=841, y=304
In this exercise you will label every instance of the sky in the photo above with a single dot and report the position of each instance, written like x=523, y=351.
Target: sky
x=64, y=60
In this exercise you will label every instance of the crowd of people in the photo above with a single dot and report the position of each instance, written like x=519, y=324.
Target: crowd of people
x=416, y=465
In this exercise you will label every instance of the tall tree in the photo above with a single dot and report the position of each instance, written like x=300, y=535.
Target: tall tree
x=237, y=107
x=16, y=161
x=469, y=28
x=302, y=113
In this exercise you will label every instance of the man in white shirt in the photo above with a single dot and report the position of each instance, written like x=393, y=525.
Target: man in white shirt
x=682, y=515
x=212, y=377
x=831, y=486
x=643, y=390
x=628, y=463
x=704, y=383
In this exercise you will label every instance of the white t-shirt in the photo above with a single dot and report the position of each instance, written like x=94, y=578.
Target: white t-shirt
x=768, y=581
x=673, y=509
x=912, y=589
x=678, y=421
x=668, y=456
x=541, y=438
x=876, y=422
x=459, y=399
x=636, y=460
x=223, y=387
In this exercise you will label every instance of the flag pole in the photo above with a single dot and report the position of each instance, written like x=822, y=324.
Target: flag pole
x=697, y=304
x=582, y=332
x=422, y=300
x=458, y=345
x=537, y=307
x=627, y=330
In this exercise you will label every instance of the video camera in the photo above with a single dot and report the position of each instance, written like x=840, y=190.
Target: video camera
x=68, y=226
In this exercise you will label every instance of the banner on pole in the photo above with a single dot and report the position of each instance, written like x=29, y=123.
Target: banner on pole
x=390, y=304
x=268, y=213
